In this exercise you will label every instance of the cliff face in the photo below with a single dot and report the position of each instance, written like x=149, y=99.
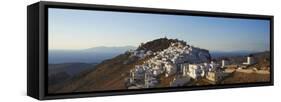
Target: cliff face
x=111, y=74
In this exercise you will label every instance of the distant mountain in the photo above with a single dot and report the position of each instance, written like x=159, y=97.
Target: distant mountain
x=91, y=55
x=111, y=74
x=105, y=49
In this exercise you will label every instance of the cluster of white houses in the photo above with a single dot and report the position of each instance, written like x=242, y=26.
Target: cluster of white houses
x=184, y=61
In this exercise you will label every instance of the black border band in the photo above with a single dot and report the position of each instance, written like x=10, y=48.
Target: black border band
x=44, y=22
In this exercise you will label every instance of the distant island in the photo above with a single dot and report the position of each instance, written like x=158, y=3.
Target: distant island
x=89, y=55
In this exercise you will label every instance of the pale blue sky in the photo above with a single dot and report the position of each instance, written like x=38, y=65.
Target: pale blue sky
x=82, y=29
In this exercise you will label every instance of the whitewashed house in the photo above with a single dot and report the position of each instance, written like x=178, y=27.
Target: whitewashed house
x=138, y=72
x=224, y=63
x=148, y=53
x=149, y=80
x=170, y=69
x=250, y=61
x=195, y=71
x=185, y=69
x=213, y=66
x=215, y=76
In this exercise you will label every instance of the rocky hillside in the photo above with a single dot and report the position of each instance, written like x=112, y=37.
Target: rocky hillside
x=111, y=74
x=59, y=73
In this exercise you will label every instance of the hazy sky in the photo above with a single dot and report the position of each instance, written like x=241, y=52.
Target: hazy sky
x=82, y=29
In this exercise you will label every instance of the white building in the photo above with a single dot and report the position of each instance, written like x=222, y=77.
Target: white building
x=149, y=80
x=195, y=71
x=210, y=71
x=213, y=66
x=148, y=53
x=185, y=69
x=138, y=72
x=250, y=61
x=170, y=69
x=215, y=75
x=224, y=62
